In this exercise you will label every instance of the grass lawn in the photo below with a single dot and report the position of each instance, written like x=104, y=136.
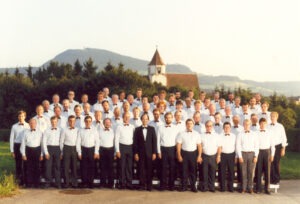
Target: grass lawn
x=290, y=164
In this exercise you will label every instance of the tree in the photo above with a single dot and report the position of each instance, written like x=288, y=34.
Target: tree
x=89, y=68
x=77, y=68
x=29, y=73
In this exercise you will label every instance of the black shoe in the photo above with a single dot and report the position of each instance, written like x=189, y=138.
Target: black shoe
x=194, y=190
x=267, y=192
x=47, y=185
x=204, y=190
x=231, y=190
x=222, y=190
x=149, y=188
x=172, y=188
x=183, y=189
x=212, y=190
x=66, y=186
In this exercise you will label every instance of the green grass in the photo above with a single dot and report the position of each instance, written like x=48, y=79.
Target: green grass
x=290, y=166
x=7, y=163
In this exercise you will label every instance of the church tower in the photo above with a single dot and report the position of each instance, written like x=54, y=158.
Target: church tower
x=157, y=70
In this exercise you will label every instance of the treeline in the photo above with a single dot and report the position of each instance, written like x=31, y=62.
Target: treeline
x=25, y=91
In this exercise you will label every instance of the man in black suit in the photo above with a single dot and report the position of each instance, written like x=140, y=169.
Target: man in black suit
x=145, y=149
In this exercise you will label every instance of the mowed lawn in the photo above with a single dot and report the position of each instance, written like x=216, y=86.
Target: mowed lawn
x=290, y=164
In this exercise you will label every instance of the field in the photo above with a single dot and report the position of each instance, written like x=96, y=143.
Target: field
x=290, y=164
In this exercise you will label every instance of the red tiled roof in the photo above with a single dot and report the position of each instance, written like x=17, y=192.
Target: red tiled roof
x=186, y=80
x=156, y=59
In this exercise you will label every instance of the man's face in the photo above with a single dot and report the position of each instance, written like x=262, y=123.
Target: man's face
x=32, y=124
x=145, y=120
x=227, y=129
x=21, y=117
x=88, y=122
x=107, y=123
x=209, y=127
x=168, y=118
x=189, y=125
x=54, y=123
x=71, y=122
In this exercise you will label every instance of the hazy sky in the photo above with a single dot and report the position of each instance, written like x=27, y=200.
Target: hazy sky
x=258, y=40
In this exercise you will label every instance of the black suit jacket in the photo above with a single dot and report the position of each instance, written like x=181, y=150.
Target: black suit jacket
x=144, y=148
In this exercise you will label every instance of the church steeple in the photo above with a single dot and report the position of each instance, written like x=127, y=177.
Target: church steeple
x=157, y=69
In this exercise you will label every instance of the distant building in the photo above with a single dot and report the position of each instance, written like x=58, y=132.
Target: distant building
x=157, y=73
x=298, y=102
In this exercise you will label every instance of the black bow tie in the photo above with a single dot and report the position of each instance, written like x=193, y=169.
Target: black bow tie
x=227, y=117
x=71, y=128
x=135, y=118
x=254, y=125
x=21, y=123
x=189, y=131
x=245, y=113
x=115, y=104
x=98, y=121
x=145, y=127
x=87, y=128
x=46, y=111
x=227, y=134
x=126, y=124
x=168, y=126
x=217, y=124
x=40, y=116
x=77, y=118
x=32, y=130
x=264, y=113
x=106, y=112
x=58, y=117
x=272, y=124
x=235, y=126
x=65, y=110
x=106, y=129
x=157, y=121
x=247, y=131
x=138, y=99
x=262, y=130
x=197, y=123
x=208, y=133
x=54, y=129
x=117, y=118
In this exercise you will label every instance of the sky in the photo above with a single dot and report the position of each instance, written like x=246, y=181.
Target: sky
x=256, y=40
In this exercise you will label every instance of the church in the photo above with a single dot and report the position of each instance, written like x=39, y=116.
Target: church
x=157, y=73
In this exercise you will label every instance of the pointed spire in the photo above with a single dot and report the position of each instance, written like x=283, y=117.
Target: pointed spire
x=156, y=59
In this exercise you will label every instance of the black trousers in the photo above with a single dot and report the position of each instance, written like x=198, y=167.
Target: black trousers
x=189, y=166
x=33, y=165
x=20, y=166
x=275, y=166
x=263, y=167
x=145, y=170
x=106, y=165
x=70, y=163
x=227, y=165
x=209, y=166
x=88, y=165
x=52, y=165
x=126, y=162
x=168, y=165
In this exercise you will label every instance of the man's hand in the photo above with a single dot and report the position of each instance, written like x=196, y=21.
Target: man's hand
x=47, y=156
x=199, y=160
x=271, y=159
x=13, y=155
x=96, y=156
x=153, y=157
x=254, y=160
x=79, y=157
x=241, y=160
x=118, y=155
x=136, y=157
x=282, y=153
x=24, y=158
x=218, y=159
x=159, y=156
x=41, y=158
x=180, y=159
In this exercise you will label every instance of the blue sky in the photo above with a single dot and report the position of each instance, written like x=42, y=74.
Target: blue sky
x=257, y=39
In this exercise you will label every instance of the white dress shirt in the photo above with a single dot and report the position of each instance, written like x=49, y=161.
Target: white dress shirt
x=124, y=135
x=107, y=138
x=278, y=134
x=156, y=124
x=189, y=140
x=73, y=104
x=136, y=122
x=266, y=115
x=31, y=139
x=97, y=107
x=107, y=114
x=16, y=134
x=218, y=127
x=52, y=138
x=237, y=129
x=166, y=136
x=42, y=123
x=228, y=143
x=210, y=143
x=266, y=140
x=68, y=137
x=87, y=137
x=79, y=122
x=200, y=128
x=180, y=126
x=49, y=113
x=247, y=142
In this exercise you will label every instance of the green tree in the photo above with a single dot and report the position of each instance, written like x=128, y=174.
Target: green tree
x=77, y=68
x=89, y=68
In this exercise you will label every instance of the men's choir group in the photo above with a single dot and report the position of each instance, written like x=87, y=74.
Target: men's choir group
x=171, y=139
